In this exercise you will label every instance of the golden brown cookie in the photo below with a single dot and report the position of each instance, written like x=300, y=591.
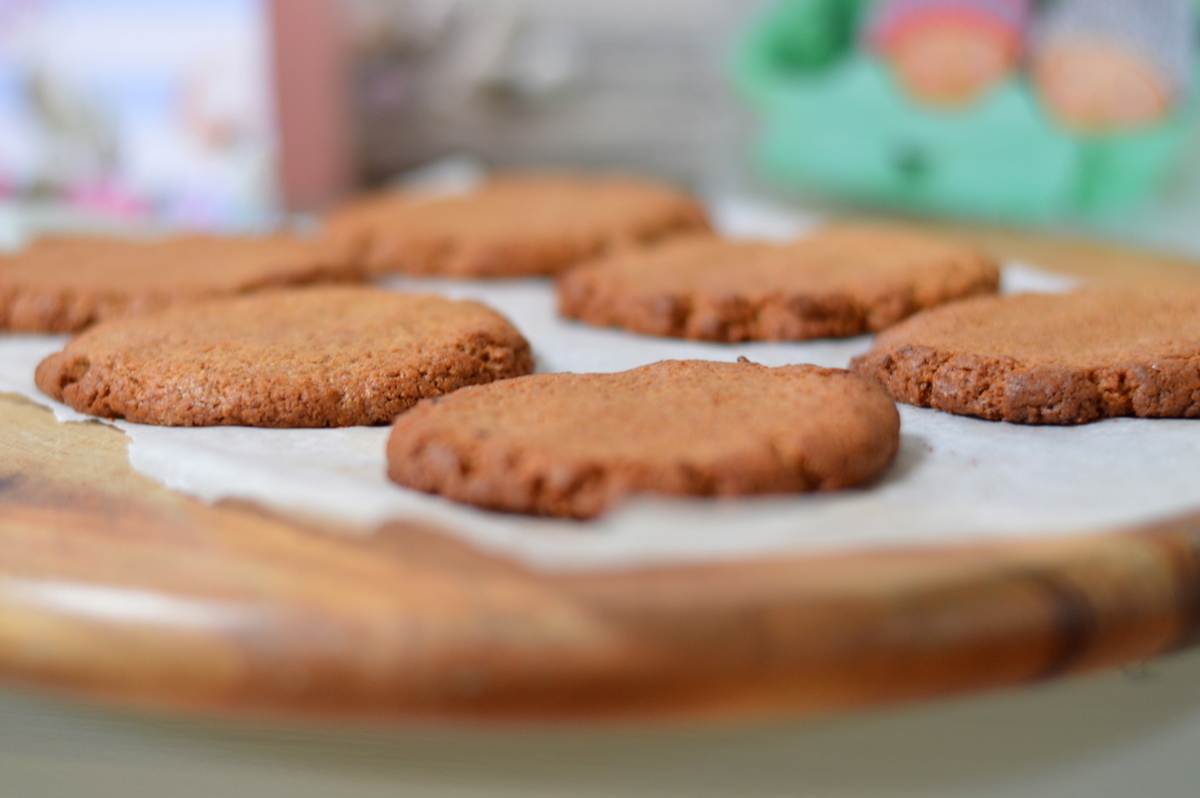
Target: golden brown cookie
x=315, y=357
x=576, y=444
x=67, y=284
x=513, y=226
x=1048, y=358
x=839, y=282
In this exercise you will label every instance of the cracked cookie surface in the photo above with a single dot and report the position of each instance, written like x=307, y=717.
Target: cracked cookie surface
x=840, y=282
x=574, y=445
x=314, y=357
x=1048, y=358
x=66, y=284
x=513, y=225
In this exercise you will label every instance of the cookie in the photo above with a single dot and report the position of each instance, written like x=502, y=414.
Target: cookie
x=513, y=226
x=315, y=357
x=67, y=284
x=843, y=281
x=574, y=445
x=1048, y=358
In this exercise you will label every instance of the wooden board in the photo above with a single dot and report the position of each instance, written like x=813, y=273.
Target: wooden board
x=115, y=588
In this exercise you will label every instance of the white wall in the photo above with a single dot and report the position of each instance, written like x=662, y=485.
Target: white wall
x=648, y=94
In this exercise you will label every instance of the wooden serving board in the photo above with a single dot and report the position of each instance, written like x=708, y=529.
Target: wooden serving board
x=115, y=588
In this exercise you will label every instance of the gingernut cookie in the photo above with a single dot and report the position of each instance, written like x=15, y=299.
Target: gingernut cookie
x=316, y=357
x=1048, y=358
x=575, y=444
x=840, y=282
x=69, y=283
x=512, y=226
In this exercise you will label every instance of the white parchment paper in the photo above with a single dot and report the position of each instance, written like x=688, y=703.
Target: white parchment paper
x=955, y=480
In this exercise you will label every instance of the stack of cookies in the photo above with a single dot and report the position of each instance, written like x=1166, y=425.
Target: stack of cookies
x=286, y=332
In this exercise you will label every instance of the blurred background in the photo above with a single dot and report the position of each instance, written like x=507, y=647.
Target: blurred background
x=1077, y=115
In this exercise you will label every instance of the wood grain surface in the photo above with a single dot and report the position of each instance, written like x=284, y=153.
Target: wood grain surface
x=115, y=588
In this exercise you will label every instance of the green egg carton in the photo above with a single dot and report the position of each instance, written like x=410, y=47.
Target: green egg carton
x=833, y=121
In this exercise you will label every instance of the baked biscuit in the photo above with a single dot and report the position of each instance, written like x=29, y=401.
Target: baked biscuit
x=67, y=284
x=574, y=445
x=840, y=282
x=316, y=357
x=1048, y=358
x=512, y=226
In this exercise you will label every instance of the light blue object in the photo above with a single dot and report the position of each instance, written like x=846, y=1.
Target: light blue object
x=833, y=121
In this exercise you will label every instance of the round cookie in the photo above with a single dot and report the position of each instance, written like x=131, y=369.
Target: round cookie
x=1048, y=358
x=67, y=284
x=512, y=226
x=840, y=282
x=316, y=357
x=575, y=444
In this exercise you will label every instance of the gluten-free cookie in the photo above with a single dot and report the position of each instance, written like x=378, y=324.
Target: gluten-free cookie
x=314, y=357
x=1048, y=358
x=840, y=282
x=66, y=284
x=512, y=226
x=574, y=445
